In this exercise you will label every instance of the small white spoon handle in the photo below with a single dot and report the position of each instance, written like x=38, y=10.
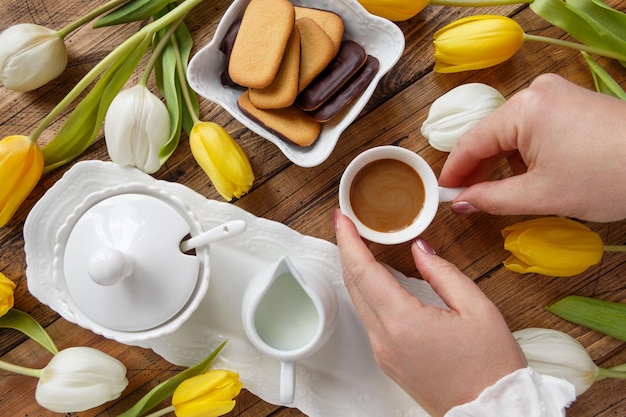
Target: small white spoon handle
x=223, y=231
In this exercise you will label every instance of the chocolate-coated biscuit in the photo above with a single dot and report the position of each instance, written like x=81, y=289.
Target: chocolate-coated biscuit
x=290, y=124
x=226, y=46
x=283, y=90
x=350, y=58
x=261, y=41
x=329, y=21
x=344, y=96
x=316, y=50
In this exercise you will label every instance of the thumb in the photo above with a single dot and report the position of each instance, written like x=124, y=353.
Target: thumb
x=454, y=287
x=519, y=194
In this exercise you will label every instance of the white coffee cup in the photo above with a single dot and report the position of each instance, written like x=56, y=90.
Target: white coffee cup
x=288, y=315
x=433, y=194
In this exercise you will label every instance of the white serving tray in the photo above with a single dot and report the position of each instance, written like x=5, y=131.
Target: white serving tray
x=341, y=379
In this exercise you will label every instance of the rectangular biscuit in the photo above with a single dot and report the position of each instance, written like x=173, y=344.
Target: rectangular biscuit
x=329, y=21
x=261, y=41
x=350, y=58
x=283, y=90
x=316, y=50
x=348, y=92
x=290, y=123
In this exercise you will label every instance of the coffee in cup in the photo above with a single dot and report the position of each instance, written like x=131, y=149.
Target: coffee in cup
x=391, y=194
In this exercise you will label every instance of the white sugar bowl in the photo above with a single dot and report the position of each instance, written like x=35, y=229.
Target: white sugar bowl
x=124, y=265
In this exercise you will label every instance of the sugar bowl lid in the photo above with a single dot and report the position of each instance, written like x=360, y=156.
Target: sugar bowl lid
x=118, y=260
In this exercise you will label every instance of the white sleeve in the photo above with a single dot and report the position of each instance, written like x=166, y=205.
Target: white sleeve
x=522, y=393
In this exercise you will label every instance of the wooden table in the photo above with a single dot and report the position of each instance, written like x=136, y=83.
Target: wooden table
x=303, y=198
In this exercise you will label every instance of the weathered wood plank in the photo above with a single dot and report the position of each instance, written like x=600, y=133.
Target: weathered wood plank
x=303, y=198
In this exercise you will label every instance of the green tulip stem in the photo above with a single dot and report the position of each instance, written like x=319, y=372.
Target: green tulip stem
x=184, y=83
x=576, y=46
x=156, y=53
x=21, y=370
x=162, y=412
x=615, y=248
x=89, y=16
x=610, y=373
x=477, y=3
x=130, y=43
x=621, y=367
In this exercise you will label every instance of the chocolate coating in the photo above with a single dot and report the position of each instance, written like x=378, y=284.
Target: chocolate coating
x=347, y=92
x=349, y=59
x=226, y=46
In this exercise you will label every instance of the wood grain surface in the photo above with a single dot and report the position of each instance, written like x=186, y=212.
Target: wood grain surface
x=304, y=198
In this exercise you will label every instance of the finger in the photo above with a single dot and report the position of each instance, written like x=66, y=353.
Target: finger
x=520, y=194
x=456, y=290
x=372, y=288
x=491, y=138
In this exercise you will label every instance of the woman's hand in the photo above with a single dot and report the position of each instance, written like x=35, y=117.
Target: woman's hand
x=566, y=145
x=440, y=357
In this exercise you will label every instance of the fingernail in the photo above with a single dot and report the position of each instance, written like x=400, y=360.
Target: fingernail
x=336, y=218
x=424, y=246
x=463, y=207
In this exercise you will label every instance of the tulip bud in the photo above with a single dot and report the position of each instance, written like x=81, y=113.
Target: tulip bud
x=552, y=246
x=6, y=294
x=30, y=56
x=80, y=378
x=222, y=159
x=396, y=10
x=455, y=112
x=210, y=394
x=551, y=352
x=476, y=42
x=21, y=166
x=136, y=127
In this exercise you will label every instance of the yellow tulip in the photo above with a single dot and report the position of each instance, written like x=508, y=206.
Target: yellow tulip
x=551, y=246
x=396, y=10
x=476, y=42
x=210, y=394
x=21, y=166
x=222, y=159
x=6, y=294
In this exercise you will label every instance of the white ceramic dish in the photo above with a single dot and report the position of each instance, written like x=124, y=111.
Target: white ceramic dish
x=147, y=235
x=380, y=38
x=342, y=379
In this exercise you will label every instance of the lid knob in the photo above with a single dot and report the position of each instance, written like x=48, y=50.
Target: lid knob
x=108, y=266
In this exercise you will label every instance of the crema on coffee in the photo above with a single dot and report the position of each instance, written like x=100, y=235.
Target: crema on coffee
x=387, y=195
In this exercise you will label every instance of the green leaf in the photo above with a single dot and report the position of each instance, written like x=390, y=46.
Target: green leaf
x=82, y=126
x=132, y=11
x=578, y=24
x=25, y=323
x=604, y=316
x=167, y=388
x=613, y=20
x=168, y=78
x=185, y=43
x=603, y=81
x=167, y=83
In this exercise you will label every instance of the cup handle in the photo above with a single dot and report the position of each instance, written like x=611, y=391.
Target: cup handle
x=447, y=194
x=287, y=381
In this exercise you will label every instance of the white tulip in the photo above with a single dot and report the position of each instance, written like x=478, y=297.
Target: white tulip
x=80, y=378
x=551, y=352
x=457, y=111
x=30, y=56
x=136, y=127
